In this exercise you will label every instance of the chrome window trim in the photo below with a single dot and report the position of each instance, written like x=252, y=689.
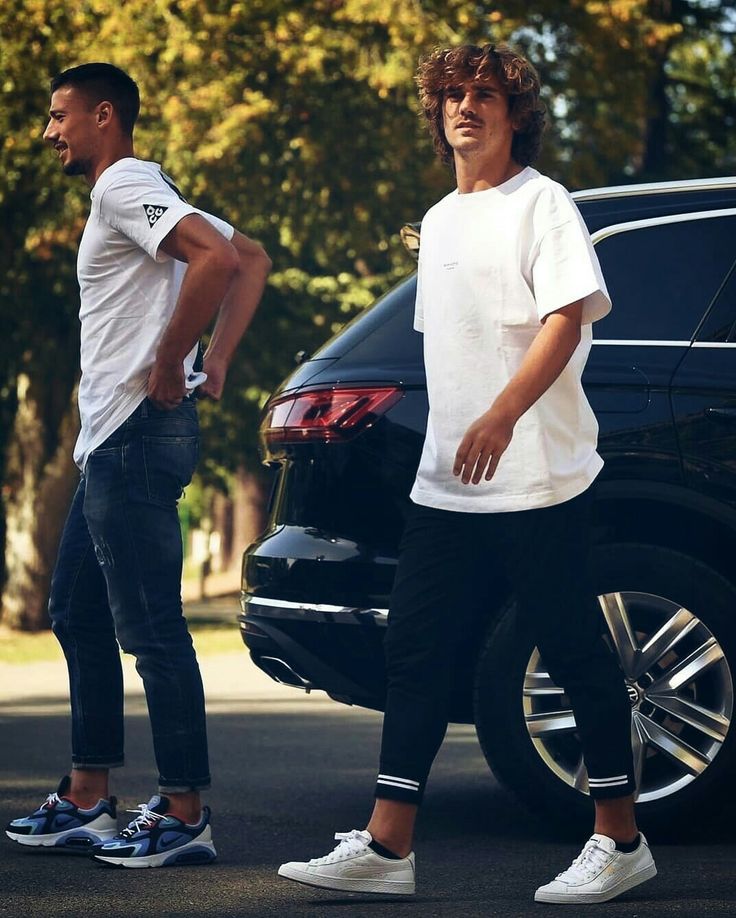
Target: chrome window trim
x=306, y=606
x=616, y=228
x=625, y=342
x=726, y=183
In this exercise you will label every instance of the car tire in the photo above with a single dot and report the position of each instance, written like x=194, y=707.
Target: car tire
x=650, y=586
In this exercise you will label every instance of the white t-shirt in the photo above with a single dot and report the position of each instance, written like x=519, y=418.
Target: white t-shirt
x=492, y=265
x=128, y=292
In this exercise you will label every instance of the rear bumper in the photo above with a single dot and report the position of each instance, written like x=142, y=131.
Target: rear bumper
x=338, y=649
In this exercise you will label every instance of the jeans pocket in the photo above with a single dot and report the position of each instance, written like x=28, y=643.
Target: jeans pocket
x=169, y=464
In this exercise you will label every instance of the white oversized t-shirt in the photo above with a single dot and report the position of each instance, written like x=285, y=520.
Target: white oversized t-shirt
x=492, y=265
x=128, y=290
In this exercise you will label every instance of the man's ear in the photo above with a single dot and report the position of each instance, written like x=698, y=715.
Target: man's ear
x=104, y=113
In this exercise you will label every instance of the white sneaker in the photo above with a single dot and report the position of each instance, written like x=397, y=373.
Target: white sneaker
x=354, y=867
x=600, y=873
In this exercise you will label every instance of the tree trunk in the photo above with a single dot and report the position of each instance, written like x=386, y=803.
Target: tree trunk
x=40, y=480
x=655, y=160
x=249, y=511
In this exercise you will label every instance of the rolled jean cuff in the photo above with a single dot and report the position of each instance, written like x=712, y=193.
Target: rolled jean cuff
x=89, y=762
x=183, y=787
x=391, y=786
x=611, y=788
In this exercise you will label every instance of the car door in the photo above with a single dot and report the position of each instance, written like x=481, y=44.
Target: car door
x=659, y=300
x=704, y=385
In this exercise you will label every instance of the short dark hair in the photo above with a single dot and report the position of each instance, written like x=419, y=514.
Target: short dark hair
x=446, y=67
x=104, y=82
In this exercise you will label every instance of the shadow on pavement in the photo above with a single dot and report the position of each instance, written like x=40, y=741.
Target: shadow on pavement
x=286, y=779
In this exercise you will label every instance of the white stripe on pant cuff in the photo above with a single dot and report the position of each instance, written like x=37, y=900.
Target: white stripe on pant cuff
x=405, y=787
x=407, y=781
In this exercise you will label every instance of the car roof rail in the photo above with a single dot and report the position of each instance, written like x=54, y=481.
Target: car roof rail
x=725, y=182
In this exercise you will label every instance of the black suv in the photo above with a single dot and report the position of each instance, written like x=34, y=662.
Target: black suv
x=344, y=434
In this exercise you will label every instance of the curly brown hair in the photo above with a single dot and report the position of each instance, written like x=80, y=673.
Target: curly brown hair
x=446, y=67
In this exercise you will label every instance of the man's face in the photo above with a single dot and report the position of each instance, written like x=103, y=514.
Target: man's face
x=476, y=117
x=72, y=130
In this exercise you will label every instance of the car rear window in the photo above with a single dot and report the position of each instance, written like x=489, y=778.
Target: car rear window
x=383, y=332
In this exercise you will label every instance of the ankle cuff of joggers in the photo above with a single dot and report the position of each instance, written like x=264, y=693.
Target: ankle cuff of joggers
x=609, y=788
x=392, y=786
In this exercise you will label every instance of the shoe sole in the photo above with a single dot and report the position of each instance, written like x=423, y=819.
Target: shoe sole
x=641, y=876
x=352, y=884
x=79, y=839
x=195, y=852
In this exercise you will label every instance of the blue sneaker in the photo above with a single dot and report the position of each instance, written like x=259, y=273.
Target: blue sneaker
x=59, y=823
x=155, y=838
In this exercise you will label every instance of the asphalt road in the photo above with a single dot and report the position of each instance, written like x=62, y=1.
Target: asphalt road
x=289, y=772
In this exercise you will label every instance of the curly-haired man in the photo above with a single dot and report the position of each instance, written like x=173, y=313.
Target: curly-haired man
x=507, y=290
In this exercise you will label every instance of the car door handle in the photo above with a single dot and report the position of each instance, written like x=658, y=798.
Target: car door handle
x=723, y=414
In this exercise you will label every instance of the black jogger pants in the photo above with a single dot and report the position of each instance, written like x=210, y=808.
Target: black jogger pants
x=445, y=567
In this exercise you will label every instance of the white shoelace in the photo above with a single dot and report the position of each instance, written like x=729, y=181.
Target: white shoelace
x=52, y=800
x=587, y=864
x=352, y=842
x=145, y=819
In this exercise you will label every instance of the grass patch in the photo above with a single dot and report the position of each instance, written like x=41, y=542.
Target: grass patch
x=23, y=647
x=216, y=637
x=19, y=647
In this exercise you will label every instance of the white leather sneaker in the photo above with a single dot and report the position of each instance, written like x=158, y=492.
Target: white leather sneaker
x=599, y=873
x=354, y=867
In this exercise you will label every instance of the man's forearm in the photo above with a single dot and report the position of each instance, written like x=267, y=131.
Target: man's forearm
x=238, y=306
x=205, y=284
x=547, y=357
x=488, y=437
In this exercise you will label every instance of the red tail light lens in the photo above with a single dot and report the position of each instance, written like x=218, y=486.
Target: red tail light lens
x=326, y=415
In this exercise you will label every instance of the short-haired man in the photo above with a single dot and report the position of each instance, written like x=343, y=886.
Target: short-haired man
x=508, y=287
x=153, y=271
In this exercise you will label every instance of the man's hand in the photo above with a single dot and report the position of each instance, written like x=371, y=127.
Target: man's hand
x=216, y=371
x=484, y=443
x=166, y=387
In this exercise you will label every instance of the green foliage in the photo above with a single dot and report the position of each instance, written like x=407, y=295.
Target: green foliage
x=298, y=123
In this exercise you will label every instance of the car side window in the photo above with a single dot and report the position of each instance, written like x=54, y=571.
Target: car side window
x=720, y=322
x=663, y=277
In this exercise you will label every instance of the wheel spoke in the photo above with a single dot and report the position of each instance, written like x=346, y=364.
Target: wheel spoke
x=541, y=725
x=541, y=684
x=690, y=760
x=660, y=644
x=639, y=749
x=617, y=618
x=689, y=669
x=711, y=723
x=580, y=777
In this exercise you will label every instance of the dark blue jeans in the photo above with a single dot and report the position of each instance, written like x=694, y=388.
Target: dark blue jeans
x=118, y=579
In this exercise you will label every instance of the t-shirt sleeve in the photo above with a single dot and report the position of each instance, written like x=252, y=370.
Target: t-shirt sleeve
x=566, y=267
x=146, y=209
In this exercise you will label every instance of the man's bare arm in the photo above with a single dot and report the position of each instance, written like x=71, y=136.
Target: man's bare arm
x=236, y=312
x=212, y=263
x=488, y=438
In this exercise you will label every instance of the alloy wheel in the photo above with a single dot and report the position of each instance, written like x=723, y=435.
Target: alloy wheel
x=680, y=687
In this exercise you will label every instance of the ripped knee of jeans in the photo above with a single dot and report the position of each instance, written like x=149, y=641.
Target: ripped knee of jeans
x=104, y=554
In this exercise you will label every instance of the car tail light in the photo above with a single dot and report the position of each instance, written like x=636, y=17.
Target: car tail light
x=326, y=415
